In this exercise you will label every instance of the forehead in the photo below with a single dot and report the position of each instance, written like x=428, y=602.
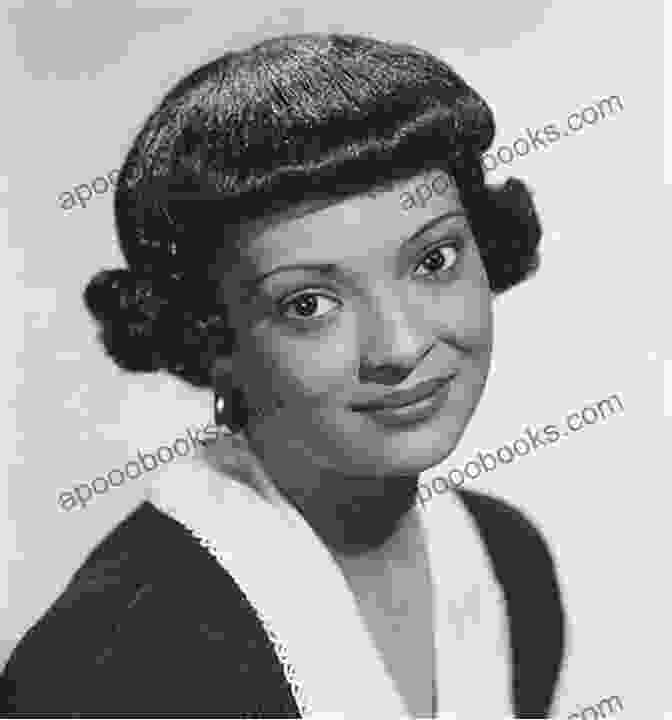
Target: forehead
x=351, y=228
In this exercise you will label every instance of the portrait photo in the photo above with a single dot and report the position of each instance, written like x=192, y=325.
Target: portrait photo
x=337, y=361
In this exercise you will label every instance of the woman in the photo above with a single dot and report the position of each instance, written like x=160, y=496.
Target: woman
x=308, y=232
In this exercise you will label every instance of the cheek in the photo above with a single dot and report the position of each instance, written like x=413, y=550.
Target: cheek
x=301, y=369
x=474, y=320
x=464, y=316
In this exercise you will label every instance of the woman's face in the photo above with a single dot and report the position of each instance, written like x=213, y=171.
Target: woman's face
x=341, y=310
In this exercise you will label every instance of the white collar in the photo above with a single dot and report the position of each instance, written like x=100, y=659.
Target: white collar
x=307, y=608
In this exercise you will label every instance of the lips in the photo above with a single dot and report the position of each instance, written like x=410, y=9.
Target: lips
x=404, y=398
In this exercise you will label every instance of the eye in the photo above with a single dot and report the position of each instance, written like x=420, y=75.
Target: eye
x=307, y=306
x=438, y=259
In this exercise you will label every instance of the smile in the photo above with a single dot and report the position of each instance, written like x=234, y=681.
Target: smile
x=408, y=407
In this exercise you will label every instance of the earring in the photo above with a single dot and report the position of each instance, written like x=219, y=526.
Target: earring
x=230, y=410
x=220, y=410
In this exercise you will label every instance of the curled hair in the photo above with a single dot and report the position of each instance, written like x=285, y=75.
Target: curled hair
x=256, y=132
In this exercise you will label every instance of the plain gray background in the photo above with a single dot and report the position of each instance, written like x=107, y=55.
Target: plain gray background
x=83, y=77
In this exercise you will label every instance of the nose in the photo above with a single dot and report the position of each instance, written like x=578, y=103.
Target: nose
x=397, y=339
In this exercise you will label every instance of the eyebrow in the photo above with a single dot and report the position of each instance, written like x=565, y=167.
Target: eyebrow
x=331, y=268
x=431, y=223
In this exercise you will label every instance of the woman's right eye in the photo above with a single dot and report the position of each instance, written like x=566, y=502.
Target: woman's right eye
x=308, y=306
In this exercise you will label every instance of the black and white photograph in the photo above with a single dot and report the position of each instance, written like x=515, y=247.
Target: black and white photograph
x=337, y=346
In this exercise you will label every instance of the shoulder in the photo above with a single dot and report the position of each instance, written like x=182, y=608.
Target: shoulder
x=148, y=623
x=130, y=562
x=525, y=569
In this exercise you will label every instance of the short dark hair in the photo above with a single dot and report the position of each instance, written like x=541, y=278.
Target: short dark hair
x=256, y=132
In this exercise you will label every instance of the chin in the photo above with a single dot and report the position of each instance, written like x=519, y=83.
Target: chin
x=369, y=452
x=419, y=451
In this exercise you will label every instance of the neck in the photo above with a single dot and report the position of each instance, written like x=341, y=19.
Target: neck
x=353, y=515
x=361, y=518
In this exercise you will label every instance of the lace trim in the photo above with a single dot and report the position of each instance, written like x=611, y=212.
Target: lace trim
x=298, y=690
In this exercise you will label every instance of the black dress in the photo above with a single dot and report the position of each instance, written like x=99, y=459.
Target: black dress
x=152, y=626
